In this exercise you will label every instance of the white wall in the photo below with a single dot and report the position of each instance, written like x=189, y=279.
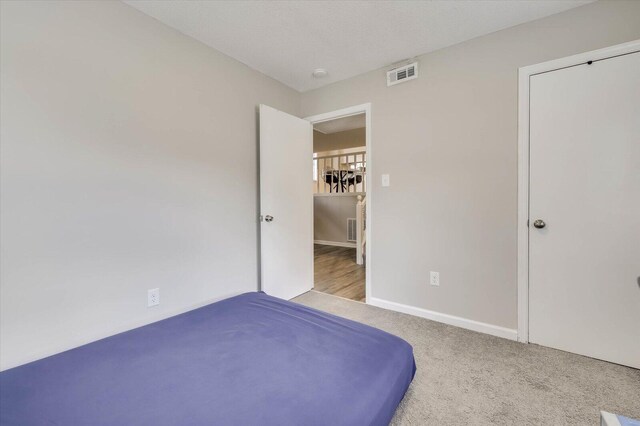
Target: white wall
x=449, y=142
x=330, y=214
x=339, y=140
x=128, y=163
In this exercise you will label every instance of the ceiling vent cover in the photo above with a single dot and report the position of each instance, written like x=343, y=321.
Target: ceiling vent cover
x=402, y=74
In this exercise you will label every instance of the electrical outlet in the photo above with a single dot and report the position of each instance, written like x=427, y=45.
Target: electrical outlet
x=386, y=180
x=153, y=297
x=434, y=277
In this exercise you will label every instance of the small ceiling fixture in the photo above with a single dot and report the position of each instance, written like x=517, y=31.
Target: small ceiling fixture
x=320, y=73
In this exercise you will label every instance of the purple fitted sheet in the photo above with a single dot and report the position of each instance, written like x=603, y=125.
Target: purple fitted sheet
x=248, y=360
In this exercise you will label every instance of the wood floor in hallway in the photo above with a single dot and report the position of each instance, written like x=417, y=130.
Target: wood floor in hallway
x=336, y=272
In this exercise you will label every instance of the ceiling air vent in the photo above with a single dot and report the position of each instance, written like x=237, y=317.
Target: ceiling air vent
x=402, y=74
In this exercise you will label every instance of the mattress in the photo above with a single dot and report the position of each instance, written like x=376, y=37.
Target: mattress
x=248, y=360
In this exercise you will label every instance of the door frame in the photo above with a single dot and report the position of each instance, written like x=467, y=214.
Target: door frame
x=346, y=112
x=524, y=75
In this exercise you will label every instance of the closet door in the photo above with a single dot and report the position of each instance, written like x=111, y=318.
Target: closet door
x=584, y=232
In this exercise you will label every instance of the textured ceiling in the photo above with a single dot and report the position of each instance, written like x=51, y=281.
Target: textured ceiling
x=341, y=124
x=287, y=40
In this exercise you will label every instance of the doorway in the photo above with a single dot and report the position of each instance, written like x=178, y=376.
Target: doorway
x=341, y=202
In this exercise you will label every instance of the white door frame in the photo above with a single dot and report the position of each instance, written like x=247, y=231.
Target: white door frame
x=524, y=75
x=346, y=112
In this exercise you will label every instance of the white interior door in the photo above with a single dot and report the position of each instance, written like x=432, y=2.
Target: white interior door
x=286, y=203
x=584, y=265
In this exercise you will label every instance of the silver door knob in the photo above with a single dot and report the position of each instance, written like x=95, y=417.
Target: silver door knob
x=539, y=223
x=268, y=218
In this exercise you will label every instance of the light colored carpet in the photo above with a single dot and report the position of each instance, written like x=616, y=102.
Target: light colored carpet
x=469, y=378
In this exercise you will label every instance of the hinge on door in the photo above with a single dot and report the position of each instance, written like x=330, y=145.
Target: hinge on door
x=527, y=221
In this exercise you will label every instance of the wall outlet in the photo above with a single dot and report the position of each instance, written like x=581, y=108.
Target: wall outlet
x=434, y=278
x=153, y=297
x=386, y=180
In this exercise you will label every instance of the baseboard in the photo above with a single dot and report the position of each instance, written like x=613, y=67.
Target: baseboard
x=494, y=330
x=334, y=243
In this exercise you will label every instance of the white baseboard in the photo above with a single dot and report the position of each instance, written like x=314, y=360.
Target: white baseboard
x=494, y=330
x=334, y=243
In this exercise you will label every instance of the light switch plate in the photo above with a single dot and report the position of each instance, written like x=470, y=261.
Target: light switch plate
x=385, y=180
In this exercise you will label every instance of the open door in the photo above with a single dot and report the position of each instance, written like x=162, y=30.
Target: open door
x=286, y=204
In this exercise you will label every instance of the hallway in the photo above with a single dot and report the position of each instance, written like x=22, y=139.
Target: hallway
x=336, y=272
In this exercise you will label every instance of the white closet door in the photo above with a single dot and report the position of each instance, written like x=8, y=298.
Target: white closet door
x=584, y=265
x=286, y=203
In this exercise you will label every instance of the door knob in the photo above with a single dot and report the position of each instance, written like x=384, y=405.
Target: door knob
x=268, y=218
x=539, y=223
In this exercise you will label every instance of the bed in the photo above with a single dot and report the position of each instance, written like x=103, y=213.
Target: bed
x=252, y=359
